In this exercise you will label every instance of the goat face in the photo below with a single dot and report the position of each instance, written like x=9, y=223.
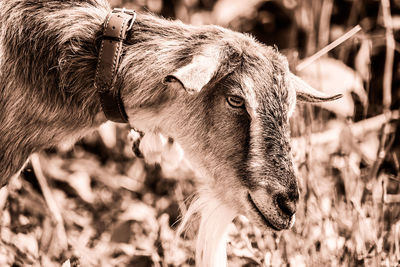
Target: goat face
x=245, y=138
x=228, y=106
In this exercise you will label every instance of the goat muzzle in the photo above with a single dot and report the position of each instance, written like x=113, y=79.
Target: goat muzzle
x=276, y=211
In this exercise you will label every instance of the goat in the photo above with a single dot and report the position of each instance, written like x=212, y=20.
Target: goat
x=224, y=97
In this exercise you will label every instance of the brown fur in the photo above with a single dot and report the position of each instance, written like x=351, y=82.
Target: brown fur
x=48, y=58
x=174, y=79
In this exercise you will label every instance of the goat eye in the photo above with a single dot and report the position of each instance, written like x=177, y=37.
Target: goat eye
x=235, y=101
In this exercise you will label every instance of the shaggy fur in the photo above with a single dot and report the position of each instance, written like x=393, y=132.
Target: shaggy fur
x=212, y=235
x=174, y=79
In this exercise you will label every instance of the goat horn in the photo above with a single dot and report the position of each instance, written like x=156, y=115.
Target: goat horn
x=305, y=93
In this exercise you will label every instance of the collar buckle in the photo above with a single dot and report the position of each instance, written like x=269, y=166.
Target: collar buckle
x=129, y=12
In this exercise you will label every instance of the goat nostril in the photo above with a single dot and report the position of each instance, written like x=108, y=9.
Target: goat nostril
x=288, y=206
x=294, y=195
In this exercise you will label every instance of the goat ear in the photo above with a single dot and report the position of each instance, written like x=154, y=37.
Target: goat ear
x=195, y=75
x=305, y=93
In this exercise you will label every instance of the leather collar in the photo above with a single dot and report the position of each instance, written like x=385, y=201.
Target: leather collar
x=116, y=26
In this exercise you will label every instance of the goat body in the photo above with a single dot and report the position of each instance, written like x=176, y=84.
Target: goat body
x=222, y=95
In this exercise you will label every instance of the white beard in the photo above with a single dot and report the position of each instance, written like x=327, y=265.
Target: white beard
x=215, y=218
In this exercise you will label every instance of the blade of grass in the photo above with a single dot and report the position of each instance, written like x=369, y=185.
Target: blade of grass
x=390, y=46
x=51, y=202
x=305, y=63
x=324, y=23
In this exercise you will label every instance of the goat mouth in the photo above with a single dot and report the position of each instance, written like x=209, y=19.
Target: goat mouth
x=260, y=214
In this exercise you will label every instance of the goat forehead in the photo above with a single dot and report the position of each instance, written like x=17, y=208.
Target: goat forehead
x=262, y=78
x=265, y=89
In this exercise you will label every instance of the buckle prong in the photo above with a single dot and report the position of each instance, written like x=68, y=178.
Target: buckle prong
x=129, y=12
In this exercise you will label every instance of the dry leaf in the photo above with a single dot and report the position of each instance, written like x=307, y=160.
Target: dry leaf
x=67, y=263
x=225, y=11
x=139, y=211
x=80, y=181
x=108, y=133
x=362, y=61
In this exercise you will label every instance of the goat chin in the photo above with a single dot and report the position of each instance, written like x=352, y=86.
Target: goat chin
x=215, y=218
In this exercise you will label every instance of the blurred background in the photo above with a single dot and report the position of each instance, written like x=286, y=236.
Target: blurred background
x=96, y=204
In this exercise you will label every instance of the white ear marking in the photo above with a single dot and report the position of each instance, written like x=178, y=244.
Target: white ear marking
x=195, y=75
